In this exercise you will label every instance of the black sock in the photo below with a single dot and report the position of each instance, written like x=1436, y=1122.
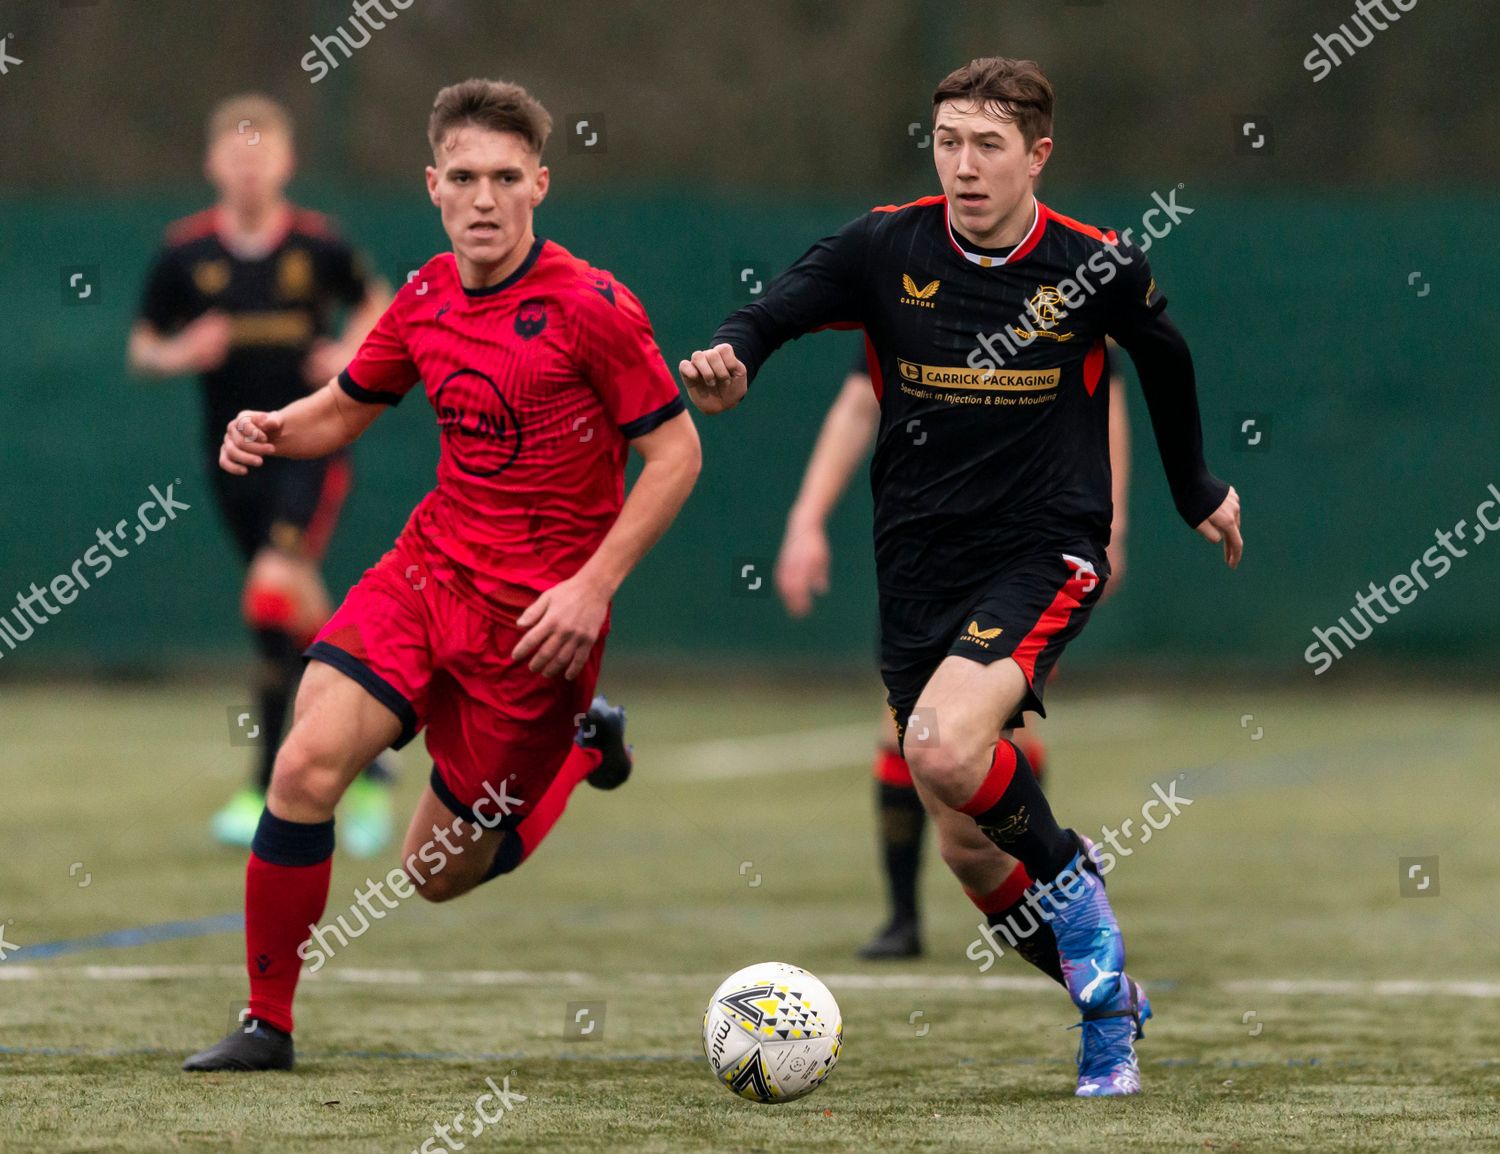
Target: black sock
x=902, y=822
x=1033, y=938
x=1012, y=811
x=281, y=667
x=509, y=854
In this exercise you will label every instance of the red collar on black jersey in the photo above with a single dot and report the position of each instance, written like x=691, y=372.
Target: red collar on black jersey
x=1028, y=242
x=285, y=220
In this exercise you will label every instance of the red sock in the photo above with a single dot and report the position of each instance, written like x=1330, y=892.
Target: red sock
x=1004, y=895
x=891, y=768
x=537, y=824
x=281, y=903
x=1002, y=769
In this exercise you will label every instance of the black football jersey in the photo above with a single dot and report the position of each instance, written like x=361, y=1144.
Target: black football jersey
x=994, y=433
x=277, y=306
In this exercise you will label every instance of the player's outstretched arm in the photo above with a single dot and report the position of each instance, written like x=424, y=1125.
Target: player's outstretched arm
x=1165, y=367
x=318, y=424
x=715, y=378
x=848, y=429
x=820, y=290
x=564, y=622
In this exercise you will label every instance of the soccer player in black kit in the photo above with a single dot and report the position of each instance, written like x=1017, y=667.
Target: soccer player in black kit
x=802, y=572
x=987, y=313
x=244, y=294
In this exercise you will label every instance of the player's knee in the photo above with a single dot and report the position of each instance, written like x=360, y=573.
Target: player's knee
x=304, y=781
x=269, y=606
x=946, y=768
x=284, y=593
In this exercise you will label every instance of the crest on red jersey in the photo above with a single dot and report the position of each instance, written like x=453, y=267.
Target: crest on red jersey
x=531, y=318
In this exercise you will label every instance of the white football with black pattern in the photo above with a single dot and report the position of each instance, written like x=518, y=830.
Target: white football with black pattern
x=772, y=1032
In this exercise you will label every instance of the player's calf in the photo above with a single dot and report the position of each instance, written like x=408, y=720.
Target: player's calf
x=339, y=728
x=447, y=854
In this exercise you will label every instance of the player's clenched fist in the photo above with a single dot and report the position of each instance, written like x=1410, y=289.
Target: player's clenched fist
x=715, y=378
x=249, y=439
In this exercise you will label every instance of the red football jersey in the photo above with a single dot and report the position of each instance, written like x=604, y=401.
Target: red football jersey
x=539, y=383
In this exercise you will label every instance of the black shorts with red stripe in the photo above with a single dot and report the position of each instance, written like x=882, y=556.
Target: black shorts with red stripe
x=285, y=504
x=1028, y=611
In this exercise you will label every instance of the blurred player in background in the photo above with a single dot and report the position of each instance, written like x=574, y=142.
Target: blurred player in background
x=802, y=573
x=987, y=313
x=486, y=621
x=245, y=295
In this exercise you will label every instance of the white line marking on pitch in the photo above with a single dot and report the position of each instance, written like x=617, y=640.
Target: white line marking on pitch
x=803, y=751
x=902, y=981
x=1379, y=989
x=837, y=746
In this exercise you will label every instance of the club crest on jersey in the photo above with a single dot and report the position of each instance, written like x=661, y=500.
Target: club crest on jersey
x=531, y=318
x=294, y=275
x=479, y=427
x=919, y=297
x=1048, y=308
x=211, y=276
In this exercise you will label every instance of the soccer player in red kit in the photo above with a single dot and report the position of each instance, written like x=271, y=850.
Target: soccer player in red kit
x=486, y=621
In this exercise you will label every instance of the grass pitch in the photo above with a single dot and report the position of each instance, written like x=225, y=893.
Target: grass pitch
x=1302, y=1002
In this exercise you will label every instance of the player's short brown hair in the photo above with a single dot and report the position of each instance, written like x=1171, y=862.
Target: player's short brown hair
x=261, y=111
x=1016, y=89
x=496, y=105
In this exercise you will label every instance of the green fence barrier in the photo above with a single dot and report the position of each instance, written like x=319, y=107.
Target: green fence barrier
x=1372, y=388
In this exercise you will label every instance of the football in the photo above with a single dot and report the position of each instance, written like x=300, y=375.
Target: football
x=772, y=1032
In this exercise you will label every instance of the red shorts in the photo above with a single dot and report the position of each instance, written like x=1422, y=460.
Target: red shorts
x=494, y=729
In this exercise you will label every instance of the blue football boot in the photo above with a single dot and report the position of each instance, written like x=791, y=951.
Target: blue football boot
x=1113, y=1006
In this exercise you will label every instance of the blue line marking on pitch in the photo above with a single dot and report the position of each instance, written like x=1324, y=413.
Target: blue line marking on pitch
x=450, y=1056
x=140, y=936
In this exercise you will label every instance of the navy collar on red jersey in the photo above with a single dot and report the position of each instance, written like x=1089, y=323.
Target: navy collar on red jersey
x=525, y=267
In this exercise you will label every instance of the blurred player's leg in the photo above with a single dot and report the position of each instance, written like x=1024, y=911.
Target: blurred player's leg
x=285, y=604
x=1029, y=740
x=901, y=823
x=339, y=727
x=288, y=523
